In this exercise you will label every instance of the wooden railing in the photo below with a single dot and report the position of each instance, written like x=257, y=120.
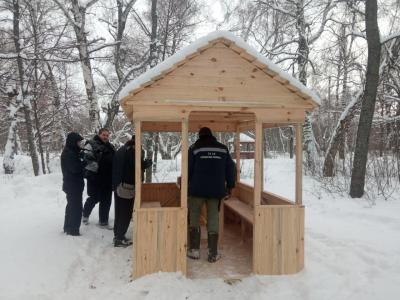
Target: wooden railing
x=245, y=193
x=168, y=195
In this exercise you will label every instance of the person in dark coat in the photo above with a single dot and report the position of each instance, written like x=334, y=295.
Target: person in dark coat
x=124, y=174
x=99, y=154
x=72, y=169
x=211, y=175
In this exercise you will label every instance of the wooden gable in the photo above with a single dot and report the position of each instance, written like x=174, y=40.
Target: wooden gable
x=220, y=74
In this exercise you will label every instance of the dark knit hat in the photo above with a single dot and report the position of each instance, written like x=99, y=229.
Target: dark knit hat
x=205, y=131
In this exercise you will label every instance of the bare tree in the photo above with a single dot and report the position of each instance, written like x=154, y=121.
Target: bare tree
x=368, y=104
x=25, y=98
x=117, y=30
x=76, y=14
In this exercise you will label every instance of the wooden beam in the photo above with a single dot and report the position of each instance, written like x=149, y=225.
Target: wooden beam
x=235, y=48
x=259, y=64
x=184, y=162
x=281, y=80
x=194, y=126
x=237, y=153
x=269, y=72
x=299, y=164
x=247, y=56
x=138, y=164
x=258, y=164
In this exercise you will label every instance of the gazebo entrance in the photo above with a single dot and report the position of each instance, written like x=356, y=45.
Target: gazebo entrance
x=260, y=232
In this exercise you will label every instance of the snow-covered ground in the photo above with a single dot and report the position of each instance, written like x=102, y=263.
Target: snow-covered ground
x=352, y=249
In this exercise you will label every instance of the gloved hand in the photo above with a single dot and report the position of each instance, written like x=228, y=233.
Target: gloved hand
x=228, y=193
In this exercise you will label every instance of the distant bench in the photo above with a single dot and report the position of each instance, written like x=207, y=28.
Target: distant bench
x=243, y=210
x=150, y=204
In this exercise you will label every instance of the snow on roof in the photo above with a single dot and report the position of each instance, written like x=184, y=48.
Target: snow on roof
x=201, y=42
x=243, y=138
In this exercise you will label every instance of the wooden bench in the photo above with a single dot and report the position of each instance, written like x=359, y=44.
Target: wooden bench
x=244, y=211
x=150, y=204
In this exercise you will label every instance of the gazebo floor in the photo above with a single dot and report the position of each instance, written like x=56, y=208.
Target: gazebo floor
x=236, y=261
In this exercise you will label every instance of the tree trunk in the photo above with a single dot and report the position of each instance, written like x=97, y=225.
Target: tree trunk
x=60, y=132
x=153, y=41
x=33, y=17
x=291, y=142
x=302, y=60
x=26, y=105
x=149, y=154
x=79, y=14
x=11, y=144
x=155, y=155
x=153, y=62
x=338, y=134
x=368, y=105
x=122, y=15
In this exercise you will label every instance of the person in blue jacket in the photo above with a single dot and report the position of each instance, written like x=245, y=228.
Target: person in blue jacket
x=211, y=175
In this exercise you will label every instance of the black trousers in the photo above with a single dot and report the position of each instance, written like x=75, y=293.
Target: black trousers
x=123, y=214
x=98, y=194
x=73, y=211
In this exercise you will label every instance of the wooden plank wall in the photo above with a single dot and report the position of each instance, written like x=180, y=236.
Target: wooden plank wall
x=167, y=194
x=160, y=240
x=278, y=239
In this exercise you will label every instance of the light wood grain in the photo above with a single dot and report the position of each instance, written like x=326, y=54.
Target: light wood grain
x=160, y=243
x=278, y=240
x=299, y=164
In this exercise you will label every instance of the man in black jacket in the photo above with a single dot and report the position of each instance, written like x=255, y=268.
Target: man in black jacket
x=211, y=177
x=123, y=177
x=99, y=154
x=72, y=170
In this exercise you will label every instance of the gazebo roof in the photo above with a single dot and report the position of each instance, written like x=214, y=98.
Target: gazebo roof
x=232, y=42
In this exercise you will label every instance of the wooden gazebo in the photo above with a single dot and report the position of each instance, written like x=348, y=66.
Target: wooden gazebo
x=220, y=82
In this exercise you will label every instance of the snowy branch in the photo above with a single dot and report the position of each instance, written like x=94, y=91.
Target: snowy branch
x=104, y=46
x=390, y=37
x=141, y=23
x=385, y=119
x=12, y=55
x=359, y=34
x=125, y=79
x=276, y=8
x=66, y=13
x=90, y=3
x=328, y=8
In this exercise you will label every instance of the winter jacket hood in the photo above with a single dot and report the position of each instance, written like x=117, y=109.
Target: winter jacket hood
x=72, y=141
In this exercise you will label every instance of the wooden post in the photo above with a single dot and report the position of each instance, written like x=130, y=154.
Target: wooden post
x=299, y=164
x=138, y=164
x=184, y=162
x=237, y=153
x=258, y=164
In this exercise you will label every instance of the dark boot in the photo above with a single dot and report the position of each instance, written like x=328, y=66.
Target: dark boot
x=213, y=255
x=73, y=232
x=122, y=242
x=194, y=243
